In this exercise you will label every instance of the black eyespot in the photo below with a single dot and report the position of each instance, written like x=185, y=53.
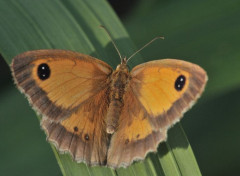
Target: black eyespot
x=43, y=71
x=86, y=137
x=180, y=82
x=75, y=129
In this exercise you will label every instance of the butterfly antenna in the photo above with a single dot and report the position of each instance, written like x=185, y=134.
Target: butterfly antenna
x=145, y=46
x=108, y=33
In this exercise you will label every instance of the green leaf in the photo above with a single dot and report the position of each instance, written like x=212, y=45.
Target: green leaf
x=73, y=25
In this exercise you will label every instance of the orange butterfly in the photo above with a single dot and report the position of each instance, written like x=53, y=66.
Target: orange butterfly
x=103, y=116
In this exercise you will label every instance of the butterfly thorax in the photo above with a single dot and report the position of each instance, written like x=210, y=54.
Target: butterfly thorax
x=118, y=86
x=120, y=79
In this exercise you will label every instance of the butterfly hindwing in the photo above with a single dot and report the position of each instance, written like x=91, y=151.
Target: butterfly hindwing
x=83, y=134
x=135, y=136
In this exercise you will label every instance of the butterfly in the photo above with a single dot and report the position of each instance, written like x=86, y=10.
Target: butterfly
x=103, y=116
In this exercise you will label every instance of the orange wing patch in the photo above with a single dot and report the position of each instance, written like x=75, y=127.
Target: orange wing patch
x=71, y=81
x=155, y=88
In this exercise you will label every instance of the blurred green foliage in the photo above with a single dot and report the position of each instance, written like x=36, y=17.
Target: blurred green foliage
x=204, y=32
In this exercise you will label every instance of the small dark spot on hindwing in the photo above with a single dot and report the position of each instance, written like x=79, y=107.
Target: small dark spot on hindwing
x=75, y=129
x=86, y=137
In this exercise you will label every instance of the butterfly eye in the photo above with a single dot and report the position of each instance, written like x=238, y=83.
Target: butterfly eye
x=43, y=71
x=180, y=82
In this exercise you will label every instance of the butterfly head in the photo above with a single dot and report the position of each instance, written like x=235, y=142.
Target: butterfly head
x=123, y=66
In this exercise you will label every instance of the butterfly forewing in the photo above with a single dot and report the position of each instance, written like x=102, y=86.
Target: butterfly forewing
x=57, y=82
x=167, y=88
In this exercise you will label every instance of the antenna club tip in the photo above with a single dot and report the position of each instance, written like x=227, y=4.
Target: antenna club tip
x=161, y=37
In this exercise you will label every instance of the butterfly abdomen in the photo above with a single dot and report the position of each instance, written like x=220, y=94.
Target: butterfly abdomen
x=120, y=79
